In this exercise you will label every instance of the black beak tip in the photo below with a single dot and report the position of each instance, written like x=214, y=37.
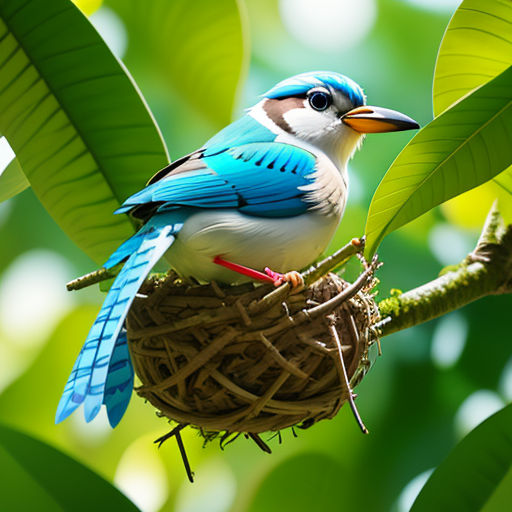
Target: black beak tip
x=409, y=124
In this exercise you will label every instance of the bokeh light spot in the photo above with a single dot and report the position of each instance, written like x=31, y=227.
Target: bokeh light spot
x=141, y=475
x=506, y=381
x=111, y=28
x=470, y=209
x=328, y=25
x=94, y=432
x=436, y=5
x=214, y=489
x=449, y=244
x=33, y=296
x=6, y=154
x=475, y=409
x=411, y=490
x=449, y=340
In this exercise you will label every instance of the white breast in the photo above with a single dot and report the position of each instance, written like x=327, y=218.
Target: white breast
x=282, y=244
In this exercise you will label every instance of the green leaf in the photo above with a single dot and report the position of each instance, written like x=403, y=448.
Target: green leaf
x=12, y=180
x=476, y=47
x=80, y=130
x=504, y=180
x=36, y=476
x=464, y=147
x=312, y=476
x=477, y=473
x=197, y=50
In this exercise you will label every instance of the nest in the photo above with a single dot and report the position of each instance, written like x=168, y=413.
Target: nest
x=250, y=359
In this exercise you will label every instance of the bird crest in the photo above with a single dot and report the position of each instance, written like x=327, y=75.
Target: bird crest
x=302, y=83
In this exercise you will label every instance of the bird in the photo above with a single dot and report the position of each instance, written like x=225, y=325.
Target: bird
x=258, y=201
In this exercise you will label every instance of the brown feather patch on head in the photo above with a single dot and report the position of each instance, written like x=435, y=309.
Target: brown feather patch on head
x=275, y=108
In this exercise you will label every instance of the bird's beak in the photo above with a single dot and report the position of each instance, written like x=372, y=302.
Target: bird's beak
x=378, y=120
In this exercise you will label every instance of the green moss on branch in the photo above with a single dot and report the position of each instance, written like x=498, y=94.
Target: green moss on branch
x=486, y=271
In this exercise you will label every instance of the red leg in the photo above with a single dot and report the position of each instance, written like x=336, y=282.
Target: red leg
x=294, y=278
x=245, y=271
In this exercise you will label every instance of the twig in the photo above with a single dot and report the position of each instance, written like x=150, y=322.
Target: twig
x=261, y=444
x=91, y=278
x=176, y=432
x=184, y=457
x=346, y=294
x=337, y=259
x=350, y=394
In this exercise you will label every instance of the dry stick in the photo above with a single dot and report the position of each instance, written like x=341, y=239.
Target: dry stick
x=346, y=294
x=337, y=259
x=176, y=433
x=346, y=382
x=184, y=457
x=261, y=444
x=170, y=434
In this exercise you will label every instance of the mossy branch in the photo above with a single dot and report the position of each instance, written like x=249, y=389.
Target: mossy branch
x=486, y=271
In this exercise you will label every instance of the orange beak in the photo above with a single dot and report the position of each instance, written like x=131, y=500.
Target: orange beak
x=378, y=120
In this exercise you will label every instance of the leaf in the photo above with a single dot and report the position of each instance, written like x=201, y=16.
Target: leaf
x=312, y=476
x=197, y=49
x=80, y=130
x=472, y=478
x=36, y=476
x=504, y=180
x=12, y=180
x=476, y=47
x=464, y=147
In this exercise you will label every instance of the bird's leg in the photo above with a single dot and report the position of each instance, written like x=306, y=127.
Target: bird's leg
x=293, y=277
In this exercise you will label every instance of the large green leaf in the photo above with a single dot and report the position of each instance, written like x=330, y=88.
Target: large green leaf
x=477, y=474
x=464, y=147
x=197, y=49
x=81, y=132
x=36, y=476
x=12, y=180
x=504, y=180
x=476, y=47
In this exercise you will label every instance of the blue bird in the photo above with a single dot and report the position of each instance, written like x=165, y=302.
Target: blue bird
x=261, y=198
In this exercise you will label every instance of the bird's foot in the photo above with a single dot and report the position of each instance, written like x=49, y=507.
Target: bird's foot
x=294, y=278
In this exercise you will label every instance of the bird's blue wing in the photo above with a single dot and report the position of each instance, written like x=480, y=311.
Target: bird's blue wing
x=262, y=179
x=245, y=130
x=89, y=376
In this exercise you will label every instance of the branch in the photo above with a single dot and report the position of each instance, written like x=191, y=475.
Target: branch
x=486, y=271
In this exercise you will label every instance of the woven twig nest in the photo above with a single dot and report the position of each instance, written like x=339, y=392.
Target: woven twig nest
x=250, y=358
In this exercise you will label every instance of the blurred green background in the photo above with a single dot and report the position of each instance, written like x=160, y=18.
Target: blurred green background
x=431, y=386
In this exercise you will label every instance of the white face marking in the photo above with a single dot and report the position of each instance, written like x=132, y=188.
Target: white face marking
x=258, y=112
x=326, y=131
x=322, y=131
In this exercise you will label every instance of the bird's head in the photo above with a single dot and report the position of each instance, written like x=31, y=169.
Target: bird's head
x=328, y=111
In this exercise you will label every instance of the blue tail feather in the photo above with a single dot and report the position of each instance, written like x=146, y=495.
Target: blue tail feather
x=127, y=248
x=119, y=384
x=90, y=375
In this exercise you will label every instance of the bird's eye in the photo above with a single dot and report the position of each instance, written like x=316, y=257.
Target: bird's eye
x=319, y=100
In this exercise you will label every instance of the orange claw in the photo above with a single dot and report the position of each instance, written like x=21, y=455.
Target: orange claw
x=294, y=278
